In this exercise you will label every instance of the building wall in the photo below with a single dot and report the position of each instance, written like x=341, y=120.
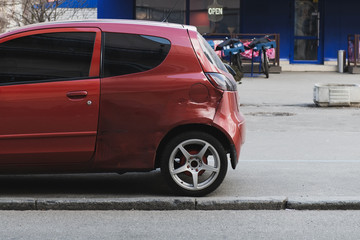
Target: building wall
x=338, y=20
x=341, y=19
x=116, y=9
x=263, y=16
x=83, y=13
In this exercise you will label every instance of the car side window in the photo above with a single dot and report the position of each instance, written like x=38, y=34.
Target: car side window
x=49, y=56
x=132, y=53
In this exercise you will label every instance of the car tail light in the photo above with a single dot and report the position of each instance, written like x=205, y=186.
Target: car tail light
x=221, y=81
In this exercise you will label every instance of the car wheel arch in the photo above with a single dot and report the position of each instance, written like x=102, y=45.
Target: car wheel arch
x=215, y=132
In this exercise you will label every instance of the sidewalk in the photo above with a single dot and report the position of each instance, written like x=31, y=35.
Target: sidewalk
x=288, y=88
x=283, y=120
x=296, y=156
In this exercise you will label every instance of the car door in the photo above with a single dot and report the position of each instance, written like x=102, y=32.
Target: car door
x=49, y=96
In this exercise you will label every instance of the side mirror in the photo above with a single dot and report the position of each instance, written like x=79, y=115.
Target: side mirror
x=230, y=69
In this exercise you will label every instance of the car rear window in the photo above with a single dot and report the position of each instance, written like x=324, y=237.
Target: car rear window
x=210, y=53
x=132, y=53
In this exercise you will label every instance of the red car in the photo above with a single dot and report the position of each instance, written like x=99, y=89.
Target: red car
x=118, y=96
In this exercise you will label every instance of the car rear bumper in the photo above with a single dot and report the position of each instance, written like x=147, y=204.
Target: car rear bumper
x=229, y=119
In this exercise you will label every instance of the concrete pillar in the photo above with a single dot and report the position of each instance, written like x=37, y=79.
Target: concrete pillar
x=118, y=9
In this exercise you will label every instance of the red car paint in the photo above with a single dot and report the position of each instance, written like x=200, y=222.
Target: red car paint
x=117, y=123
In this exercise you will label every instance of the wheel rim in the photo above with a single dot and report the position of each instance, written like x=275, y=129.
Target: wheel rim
x=194, y=164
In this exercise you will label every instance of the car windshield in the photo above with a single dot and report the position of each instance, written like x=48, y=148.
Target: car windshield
x=210, y=54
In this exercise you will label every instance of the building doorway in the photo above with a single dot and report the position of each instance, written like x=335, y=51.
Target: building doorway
x=307, y=42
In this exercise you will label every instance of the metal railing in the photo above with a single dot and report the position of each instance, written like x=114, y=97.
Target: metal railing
x=353, y=55
x=248, y=37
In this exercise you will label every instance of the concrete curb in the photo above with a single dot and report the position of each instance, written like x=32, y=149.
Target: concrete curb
x=117, y=204
x=165, y=204
x=256, y=203
x=17, y=204
x=329, y=203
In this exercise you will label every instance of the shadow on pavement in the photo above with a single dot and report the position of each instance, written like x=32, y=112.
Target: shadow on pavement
x=84, y=185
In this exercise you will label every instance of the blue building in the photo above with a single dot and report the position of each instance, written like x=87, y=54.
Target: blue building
x=311, y=31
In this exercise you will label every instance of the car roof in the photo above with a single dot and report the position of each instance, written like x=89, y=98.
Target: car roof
x=98, y=23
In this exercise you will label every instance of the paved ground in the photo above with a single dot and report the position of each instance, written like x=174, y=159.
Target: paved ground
x=284, y=124
x=296, y=156
x=214, y=225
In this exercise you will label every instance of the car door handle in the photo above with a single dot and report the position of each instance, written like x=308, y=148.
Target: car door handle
x=77, y=94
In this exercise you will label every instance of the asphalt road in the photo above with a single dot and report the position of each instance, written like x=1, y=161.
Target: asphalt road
x=180, y=225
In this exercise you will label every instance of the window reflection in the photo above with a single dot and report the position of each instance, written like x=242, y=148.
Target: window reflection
x=305, y=49
x=209, y=16
x=227, y=22
x=306, y=18
x=158, y=10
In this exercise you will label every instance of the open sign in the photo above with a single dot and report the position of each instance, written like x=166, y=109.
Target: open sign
x=215, y=11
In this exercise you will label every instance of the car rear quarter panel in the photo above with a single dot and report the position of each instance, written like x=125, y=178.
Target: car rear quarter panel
x=137, y=110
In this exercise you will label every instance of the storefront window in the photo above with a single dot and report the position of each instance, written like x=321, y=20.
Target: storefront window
x=307, y=30
x=215, y=16
x=209, y=16
x=158, y=10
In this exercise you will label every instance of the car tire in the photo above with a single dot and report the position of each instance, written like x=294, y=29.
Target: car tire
x=194, y=163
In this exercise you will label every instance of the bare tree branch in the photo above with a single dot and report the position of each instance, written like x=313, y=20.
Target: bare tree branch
x=23, y=12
